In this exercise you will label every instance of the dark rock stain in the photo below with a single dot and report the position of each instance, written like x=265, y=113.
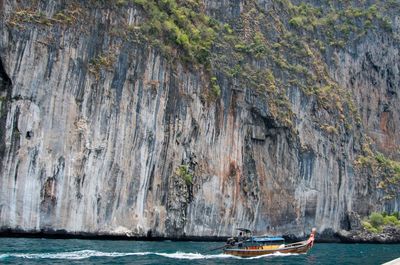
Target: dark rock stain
x=5, y=98
x=120, y=73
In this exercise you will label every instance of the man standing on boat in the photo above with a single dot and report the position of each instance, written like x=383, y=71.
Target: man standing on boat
x=240, y=237
x=310, y=240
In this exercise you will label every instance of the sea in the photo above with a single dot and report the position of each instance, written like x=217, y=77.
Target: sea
x=76, y=251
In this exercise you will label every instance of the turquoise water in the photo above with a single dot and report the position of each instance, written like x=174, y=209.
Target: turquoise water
x=74, y=251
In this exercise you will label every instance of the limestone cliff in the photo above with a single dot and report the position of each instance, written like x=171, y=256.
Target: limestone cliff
x=279, y=116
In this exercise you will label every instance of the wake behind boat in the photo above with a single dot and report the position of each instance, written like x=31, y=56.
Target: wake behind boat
x=261, y=245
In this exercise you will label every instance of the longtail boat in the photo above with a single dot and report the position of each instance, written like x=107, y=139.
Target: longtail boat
x=260, y=245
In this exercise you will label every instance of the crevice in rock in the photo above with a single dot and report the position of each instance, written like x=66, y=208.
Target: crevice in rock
x=5, y=81
x=5, y=95
x=29, y=135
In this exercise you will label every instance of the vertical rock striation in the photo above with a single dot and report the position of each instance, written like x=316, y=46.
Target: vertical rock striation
x=95, y=126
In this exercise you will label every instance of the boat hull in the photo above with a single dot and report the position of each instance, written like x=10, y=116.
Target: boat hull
x=299, y=248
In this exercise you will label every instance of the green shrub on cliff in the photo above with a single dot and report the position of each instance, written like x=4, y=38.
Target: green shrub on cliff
x=386, y=169
x=391, y=220
x=297, y=21
x=181, y=24
x=216, y=90
x=377, y=221
x=102, y=62
x=183, y=172
x=369, y=227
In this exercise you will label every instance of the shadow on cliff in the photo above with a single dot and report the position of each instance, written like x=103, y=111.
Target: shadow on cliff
x=5, y=96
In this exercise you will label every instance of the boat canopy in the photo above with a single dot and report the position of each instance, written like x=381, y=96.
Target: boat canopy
x=266, y=239
x=245, y=230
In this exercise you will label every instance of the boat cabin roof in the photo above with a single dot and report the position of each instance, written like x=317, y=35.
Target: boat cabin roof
x=245, y=230
x=267, y=239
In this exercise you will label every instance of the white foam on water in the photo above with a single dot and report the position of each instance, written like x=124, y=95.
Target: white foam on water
x=191, y=256
x=85, y=254
x=74, y=255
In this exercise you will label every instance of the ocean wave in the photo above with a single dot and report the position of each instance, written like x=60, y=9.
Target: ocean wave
x=191, y=256
x=86, y=254
x=73, y=255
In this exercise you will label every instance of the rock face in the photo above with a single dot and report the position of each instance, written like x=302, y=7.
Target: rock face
x=388, y=235
x=94, y=128
x=355, y=233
